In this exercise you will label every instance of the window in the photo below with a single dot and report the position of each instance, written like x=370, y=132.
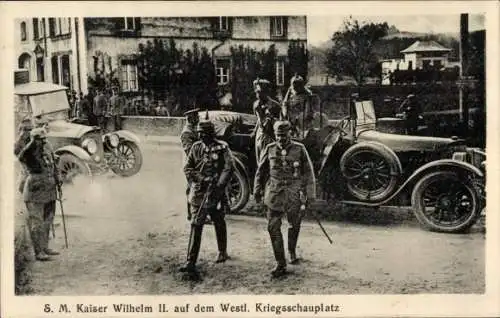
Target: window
x=36, y=34
x=129, y=76
x=280, y=73
x=129, y=23
x=437, y=64
x=278, y=26
x=410, y=65
x=55, y=70
x=223, y=24
x=23, y=31
x=426, y=64
x=222, y=71
x=59, y=26
x=41, y=28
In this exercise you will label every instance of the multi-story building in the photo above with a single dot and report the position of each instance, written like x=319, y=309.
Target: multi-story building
x=50, y=48
x=116, y=40
x=66, y=50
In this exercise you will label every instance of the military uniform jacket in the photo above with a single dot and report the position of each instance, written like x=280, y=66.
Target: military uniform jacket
x=188, y=137
x=40, y=184
x=100, y=105
x=116, y=105
x=267, y=113
x=282, y=173
x=205, y=165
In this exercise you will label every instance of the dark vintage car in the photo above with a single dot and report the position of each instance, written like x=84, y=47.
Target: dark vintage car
x=359, y=164
x=79, y=149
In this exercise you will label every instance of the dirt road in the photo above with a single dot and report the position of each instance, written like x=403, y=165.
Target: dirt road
x=128, y=236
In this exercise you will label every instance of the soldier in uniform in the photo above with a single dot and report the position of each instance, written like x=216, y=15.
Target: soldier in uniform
x=285, y=178
x=267, y=111
x=40, y=191
x=208, y=168
x=298, y=107
x=116, y=108
x=189, y=135
x=99, y=109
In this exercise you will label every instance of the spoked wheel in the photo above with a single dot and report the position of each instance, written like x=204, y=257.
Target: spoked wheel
x=238, y=191
x=371, y=173
x=127, y=159
x=445, y=202
x=70, y=166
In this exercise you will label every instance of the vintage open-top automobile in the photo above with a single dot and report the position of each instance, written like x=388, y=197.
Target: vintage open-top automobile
x=79, y=149
x=358, y=164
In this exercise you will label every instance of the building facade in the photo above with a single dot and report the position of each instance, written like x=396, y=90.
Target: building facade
x=49, y=48
x=112, y=43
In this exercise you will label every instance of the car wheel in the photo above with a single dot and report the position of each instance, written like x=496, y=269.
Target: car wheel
x=127, y=159
x=238, y=191
x=70, y=166
x=443, y=201
x=371, y=171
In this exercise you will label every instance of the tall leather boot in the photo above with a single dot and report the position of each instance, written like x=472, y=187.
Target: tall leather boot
x=193, y=249
x=279, y=254
x=293, y=236
x=221, y=235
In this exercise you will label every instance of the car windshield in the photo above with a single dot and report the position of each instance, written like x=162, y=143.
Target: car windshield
x=57, y=115
x=49, y=103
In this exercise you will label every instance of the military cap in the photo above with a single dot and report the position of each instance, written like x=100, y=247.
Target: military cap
x=281, y=126
x=297, y=78
x=261, y=81
x=206, y=126
x=191, y=112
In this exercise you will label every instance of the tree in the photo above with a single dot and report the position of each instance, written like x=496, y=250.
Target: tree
x=352, y=53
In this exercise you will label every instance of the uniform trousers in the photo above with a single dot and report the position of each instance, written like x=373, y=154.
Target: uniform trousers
x=40, y=219
x=274, y=218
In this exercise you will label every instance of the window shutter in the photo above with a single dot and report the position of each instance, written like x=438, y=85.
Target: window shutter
x=137, y=22
x=52, y=27
x=36, y=35
x=118, y=23
x=230, y=24
x=272, y=26
x=285, y=27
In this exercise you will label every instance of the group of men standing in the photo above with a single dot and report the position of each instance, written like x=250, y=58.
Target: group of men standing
x=284, y=180
x=102, y=109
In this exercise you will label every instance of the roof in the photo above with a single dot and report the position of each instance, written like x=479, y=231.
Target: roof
x=34, y=88
x=425, y=46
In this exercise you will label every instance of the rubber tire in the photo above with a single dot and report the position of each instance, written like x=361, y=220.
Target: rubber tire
x=245, y=190
x=389, y=157
x=138, y=161
x=83, y=167
x=418, y=208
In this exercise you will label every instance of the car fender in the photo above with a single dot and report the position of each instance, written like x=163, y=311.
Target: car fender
x=127, y=135
x=442, y=164
x=74, y=150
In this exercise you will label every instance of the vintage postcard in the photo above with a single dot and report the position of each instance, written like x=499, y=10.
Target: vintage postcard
x=253, y=159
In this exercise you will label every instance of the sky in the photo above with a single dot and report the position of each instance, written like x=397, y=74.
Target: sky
x=321, y=28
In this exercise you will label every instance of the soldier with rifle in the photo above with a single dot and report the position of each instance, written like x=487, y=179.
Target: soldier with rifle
x=208, y=168
x=40, y=190
x=285, y=178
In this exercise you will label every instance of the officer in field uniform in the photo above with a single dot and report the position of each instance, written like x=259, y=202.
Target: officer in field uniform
x=267, y=111
x=298, y=107
x=116, y=107
x=285, y=177
x=208, y=168
x=40, y=192
x=189, y=135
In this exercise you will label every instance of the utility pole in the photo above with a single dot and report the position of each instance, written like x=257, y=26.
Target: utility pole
x=464, y=64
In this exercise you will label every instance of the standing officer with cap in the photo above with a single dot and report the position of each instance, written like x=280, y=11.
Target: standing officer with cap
x=208, y=168
x=40, y=192
x=268, y=111
x=285, y=176
x=116, y=106
x=189, y=135
x=298, y=106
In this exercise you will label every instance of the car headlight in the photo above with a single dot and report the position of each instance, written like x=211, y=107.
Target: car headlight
x=90, y=145
x=114, y=140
